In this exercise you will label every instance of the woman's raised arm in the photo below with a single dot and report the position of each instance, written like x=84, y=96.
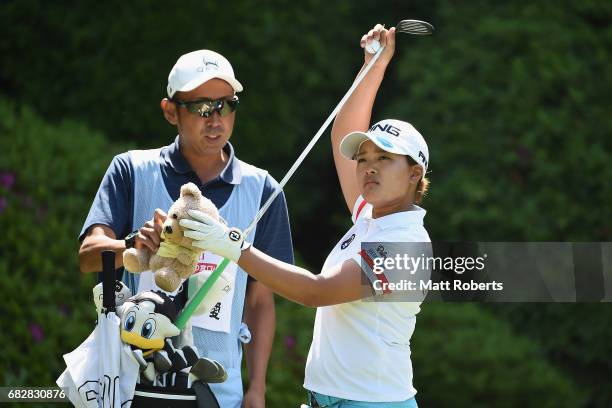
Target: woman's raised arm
x=356, y=113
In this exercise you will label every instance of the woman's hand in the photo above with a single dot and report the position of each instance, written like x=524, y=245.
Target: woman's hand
x=211, y=235
x=385, y=37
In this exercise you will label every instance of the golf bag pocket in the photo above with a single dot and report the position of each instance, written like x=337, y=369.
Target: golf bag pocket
x=199, y=396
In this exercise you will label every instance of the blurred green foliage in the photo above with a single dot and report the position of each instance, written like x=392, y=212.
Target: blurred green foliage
x=464, y=357
x=512, y=98
x=50, y=175
x=575, y=337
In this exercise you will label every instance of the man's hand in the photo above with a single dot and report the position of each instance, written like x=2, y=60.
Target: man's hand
x=211, y=235
x=385, y=37
x=149, y=235
x=254, y=398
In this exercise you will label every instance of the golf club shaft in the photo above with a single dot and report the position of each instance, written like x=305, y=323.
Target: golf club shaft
x=310, y=145
x=195, y=301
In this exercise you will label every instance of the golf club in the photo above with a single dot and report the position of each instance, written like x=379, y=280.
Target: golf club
x=416, y=27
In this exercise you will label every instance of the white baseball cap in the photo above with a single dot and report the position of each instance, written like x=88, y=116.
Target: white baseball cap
x=193, y=69
x=391, y=135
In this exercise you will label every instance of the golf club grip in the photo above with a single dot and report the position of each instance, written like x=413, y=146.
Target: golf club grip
x=108, y=280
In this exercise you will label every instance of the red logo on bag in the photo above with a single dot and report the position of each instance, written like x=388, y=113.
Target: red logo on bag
x=205, y=266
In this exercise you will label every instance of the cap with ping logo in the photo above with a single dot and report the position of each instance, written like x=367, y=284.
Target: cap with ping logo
x=391, y=135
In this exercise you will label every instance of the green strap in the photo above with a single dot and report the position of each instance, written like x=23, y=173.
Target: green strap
x=193, y=304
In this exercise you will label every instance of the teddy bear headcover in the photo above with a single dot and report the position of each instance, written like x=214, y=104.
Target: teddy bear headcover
x=176, y=259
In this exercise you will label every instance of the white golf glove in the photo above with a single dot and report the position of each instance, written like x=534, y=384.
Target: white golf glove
x=214, y=236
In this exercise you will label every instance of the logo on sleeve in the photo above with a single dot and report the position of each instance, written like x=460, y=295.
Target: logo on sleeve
x=378, y=252
x=347, y=242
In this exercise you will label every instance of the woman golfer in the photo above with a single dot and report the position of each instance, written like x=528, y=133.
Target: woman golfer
x=360, y=351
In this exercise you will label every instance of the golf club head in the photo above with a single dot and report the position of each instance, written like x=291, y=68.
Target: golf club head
x=209, y=371
x=416, y=27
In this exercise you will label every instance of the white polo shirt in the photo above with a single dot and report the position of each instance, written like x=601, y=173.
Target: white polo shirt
x=361, y=350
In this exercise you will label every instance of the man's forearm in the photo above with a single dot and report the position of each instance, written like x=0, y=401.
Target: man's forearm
x=90, y=259
x=260, y=316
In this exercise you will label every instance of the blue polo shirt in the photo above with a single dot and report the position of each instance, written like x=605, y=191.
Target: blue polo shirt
x=114, y=200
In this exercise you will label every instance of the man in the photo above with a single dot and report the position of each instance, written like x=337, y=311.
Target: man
x=142, y=184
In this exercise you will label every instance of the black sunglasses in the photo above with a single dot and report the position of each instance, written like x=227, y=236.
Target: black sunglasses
x=206, y=107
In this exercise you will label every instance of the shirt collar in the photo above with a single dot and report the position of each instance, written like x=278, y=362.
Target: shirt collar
x=230, y=174
x=400, y=218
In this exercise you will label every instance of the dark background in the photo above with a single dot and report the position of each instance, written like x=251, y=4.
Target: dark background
x=511, y=97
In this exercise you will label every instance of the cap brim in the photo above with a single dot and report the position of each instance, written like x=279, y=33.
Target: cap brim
x=193, y=84
x=351, y=142
x=349, y=146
